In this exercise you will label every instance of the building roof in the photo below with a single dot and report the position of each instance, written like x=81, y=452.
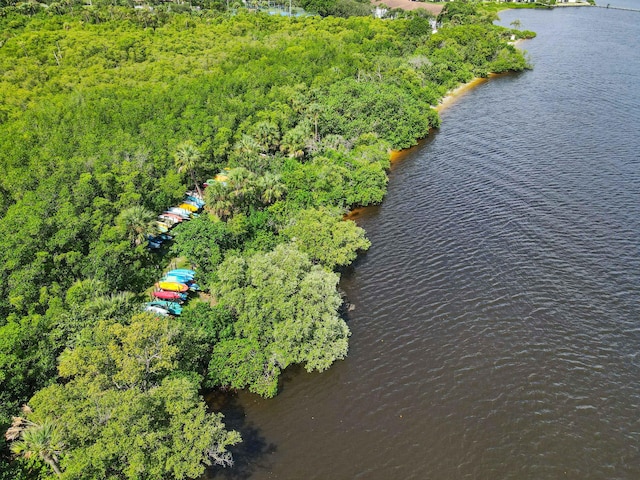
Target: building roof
x=410, y=5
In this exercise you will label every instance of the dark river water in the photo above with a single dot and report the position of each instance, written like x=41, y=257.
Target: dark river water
x=496, y=329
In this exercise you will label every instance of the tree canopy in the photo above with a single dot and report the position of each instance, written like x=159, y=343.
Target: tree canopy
x=124, y=409
x=326, y=238
x=108, y=114
x=286, y=312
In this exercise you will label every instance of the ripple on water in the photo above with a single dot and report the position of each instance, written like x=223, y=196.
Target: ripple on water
x=496, y=327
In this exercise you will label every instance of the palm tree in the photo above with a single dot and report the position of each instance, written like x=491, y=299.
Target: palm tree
x=246, y=152
x=247, y=146
x=314, y=111
x=35, y=440
x=293, y=142
x=272, y=188
x=297, y=99
x=111, y=306
x=242, y=184
x=138, y=223
x=218, y=201
x=221, y=208
x=187, y=158
x=267, y=134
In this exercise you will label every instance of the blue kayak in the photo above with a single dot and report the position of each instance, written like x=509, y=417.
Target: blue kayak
x=177, y=278
x=181, y=271
x=195, y=200
x=171, y=307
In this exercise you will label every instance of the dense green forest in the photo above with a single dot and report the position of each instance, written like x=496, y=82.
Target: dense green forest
x=107, y=115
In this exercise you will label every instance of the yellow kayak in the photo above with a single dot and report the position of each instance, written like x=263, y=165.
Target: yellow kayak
x=162, y=227
x=187, y=206
x=172, y=286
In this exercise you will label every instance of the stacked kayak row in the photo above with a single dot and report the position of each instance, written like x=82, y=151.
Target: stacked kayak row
x=171, y=217
x=172, y=290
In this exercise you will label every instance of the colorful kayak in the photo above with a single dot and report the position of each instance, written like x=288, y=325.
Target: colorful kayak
x=166, y=218
x=187, y=276
x=166, y=223
x=185, y=214
x=156, y=310
x=177, y=278
x=162, y=227
x=191, y=202
x=222, y=177
x=181, y=271
x=193, y=193
x=171, y=307
x=172, y=286
x=154, y=243
x=167, y=295
x=173, y=216
x=197, y=201
x=189, y=207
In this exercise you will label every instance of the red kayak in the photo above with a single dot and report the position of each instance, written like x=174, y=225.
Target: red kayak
x=166, y=295
x=173, y=216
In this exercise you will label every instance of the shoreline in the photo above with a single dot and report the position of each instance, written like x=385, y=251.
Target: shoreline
x=397, y=156
x=448, y=100
x=453, y=95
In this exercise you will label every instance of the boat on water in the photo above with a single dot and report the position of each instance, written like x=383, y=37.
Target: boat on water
x=172, y=286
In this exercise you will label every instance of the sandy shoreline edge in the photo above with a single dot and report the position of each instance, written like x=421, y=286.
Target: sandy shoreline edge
x=453, y=95
x=457, y=92
x=449, y=99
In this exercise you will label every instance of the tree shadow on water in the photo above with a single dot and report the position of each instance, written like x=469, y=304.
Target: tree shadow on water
x=249, y=455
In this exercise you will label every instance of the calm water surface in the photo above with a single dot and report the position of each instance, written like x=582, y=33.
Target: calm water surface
x=496, y=328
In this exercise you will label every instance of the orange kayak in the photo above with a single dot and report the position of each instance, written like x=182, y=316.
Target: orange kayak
x=172, y=286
